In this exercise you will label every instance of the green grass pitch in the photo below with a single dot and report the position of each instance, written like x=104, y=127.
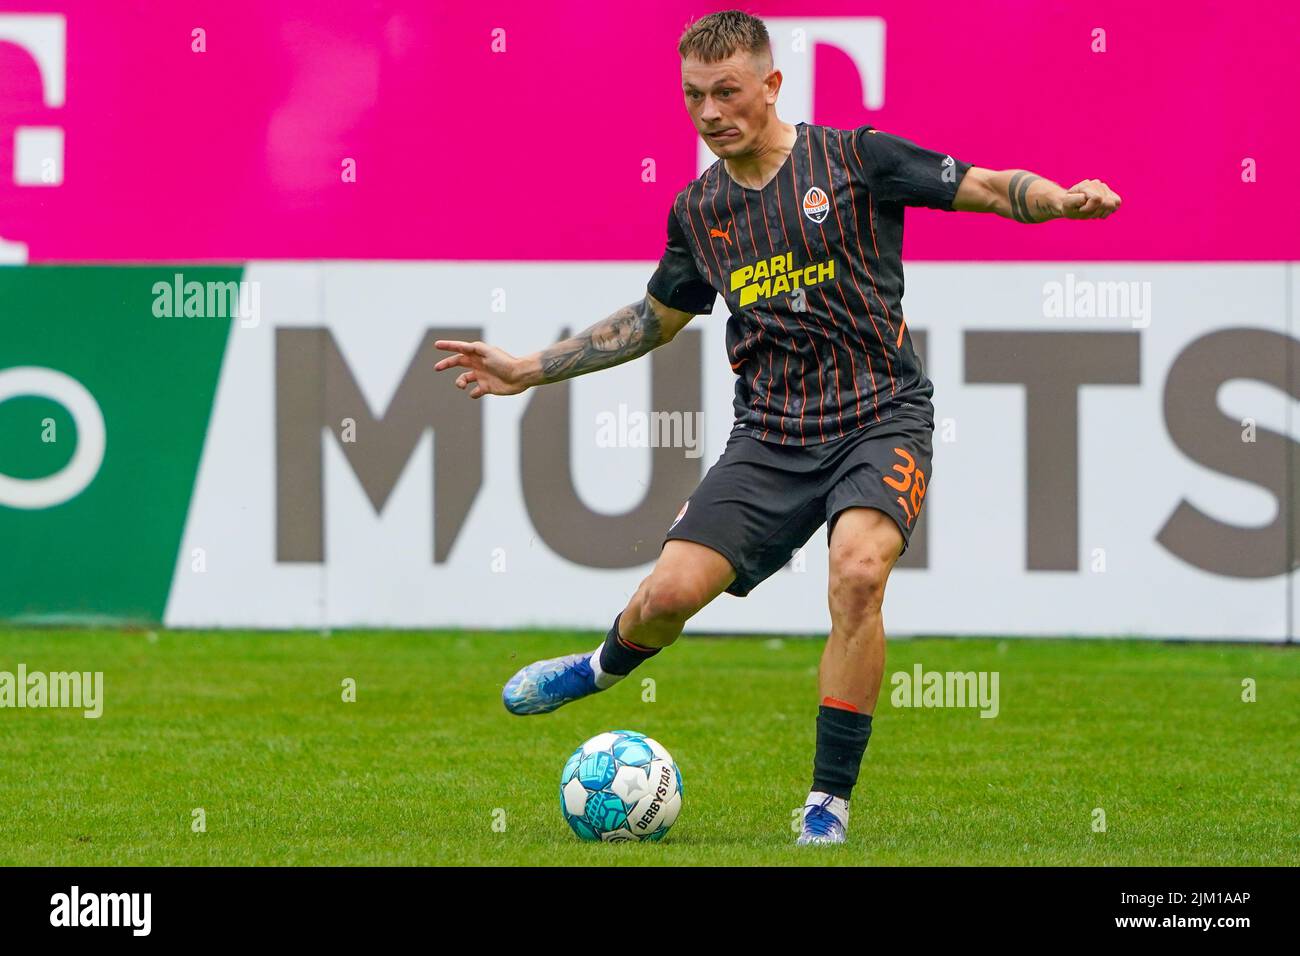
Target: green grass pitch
x=426, y=767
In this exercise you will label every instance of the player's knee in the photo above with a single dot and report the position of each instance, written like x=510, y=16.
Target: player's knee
x=857, y=585
x=669, y=600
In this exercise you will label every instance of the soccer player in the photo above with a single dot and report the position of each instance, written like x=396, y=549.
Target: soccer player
x=800, y=230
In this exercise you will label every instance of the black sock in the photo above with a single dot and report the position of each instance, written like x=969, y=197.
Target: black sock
x=619, y=656
x=841, y=741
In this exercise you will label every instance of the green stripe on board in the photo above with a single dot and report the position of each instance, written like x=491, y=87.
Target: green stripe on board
x=109, y=551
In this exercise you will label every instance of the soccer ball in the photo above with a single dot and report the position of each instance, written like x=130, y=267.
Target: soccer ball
x=620, y=786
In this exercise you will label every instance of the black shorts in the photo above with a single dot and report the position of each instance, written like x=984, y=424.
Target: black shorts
x=761, y=501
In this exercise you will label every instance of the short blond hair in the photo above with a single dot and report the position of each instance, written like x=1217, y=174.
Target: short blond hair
x=713, y=38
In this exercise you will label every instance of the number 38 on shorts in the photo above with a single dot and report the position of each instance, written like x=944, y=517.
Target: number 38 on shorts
x=909, y=481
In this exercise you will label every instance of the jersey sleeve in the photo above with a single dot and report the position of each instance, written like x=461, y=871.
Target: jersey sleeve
x=898, y=170
x=677, y=283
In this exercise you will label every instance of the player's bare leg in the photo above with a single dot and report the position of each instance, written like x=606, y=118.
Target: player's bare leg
x=864, y=546
x=686, y=577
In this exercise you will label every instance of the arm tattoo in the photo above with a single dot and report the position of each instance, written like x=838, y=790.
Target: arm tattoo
x=629, y=333
x=1018, y=193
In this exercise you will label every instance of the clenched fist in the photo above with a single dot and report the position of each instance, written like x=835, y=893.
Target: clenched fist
x=1089, y=199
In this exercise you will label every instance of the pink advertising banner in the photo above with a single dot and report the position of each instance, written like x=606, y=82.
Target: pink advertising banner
x=225, y=131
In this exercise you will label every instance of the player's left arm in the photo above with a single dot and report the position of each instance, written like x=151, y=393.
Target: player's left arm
x=1026, y=197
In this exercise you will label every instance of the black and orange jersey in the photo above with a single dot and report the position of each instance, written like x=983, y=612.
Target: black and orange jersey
x=811, y=269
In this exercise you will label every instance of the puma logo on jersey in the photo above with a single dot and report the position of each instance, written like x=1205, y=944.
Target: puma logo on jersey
x=720, y=234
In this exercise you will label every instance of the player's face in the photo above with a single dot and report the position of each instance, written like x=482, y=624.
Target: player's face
x=728, y=101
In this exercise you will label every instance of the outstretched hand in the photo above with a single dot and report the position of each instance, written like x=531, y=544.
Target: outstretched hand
x=490, y=370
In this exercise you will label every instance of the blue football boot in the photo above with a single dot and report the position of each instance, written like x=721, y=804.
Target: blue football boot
x=821, y=824
x=544, y=686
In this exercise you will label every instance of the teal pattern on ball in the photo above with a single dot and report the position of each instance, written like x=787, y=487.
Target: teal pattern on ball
x=597, y=770
x=570, y=767
x=605, y=812
x=582, y=828
x=633, y=751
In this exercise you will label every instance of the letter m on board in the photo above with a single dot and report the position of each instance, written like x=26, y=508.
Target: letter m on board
x=315, y=391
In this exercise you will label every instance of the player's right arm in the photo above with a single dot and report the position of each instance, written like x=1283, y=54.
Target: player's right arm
x=629, y=333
